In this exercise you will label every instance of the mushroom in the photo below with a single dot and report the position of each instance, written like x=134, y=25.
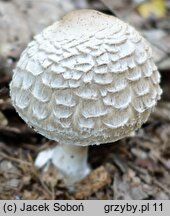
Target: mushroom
x=87, y=79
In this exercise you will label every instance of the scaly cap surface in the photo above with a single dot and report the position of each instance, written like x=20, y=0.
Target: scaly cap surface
x=87, y=79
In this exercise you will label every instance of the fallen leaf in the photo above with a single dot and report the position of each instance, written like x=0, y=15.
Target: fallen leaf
x=96, y=180
x=126, y=190
x=152, y=8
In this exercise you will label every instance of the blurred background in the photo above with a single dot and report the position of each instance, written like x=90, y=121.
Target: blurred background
x=133, y=168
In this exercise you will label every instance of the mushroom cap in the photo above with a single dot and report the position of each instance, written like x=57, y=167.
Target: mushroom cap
x=87, y=79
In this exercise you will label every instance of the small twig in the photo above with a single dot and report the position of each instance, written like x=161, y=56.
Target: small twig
x=14, y=159
x=154, y=155
x=137, y=169
x=47, y=145
x=159, y=184
x=34, y=172
x=9, y=172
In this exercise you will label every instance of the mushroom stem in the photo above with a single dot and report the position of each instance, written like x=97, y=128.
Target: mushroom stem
x=71, y=161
